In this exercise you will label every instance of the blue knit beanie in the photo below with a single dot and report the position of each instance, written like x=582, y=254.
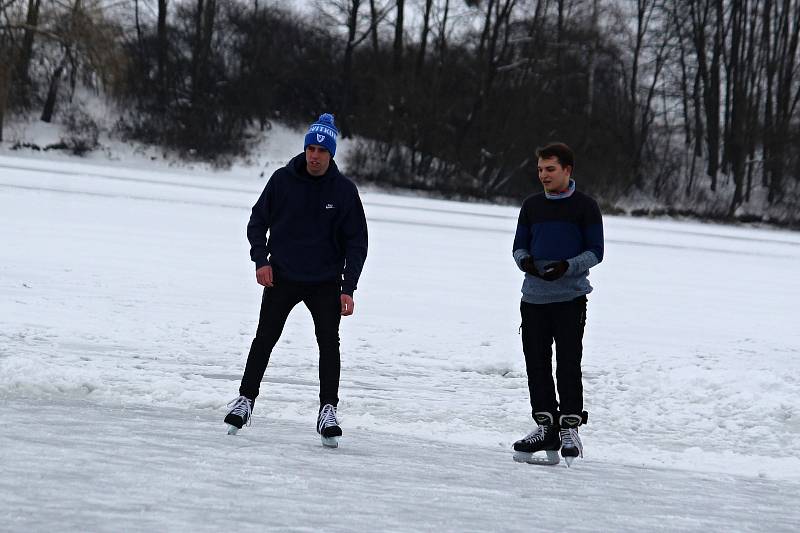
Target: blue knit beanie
x=323, y=133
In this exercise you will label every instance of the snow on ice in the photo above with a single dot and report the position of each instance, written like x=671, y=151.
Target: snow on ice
x=129, y=301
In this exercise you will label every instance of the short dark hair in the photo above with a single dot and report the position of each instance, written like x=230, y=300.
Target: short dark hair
x=560, y=151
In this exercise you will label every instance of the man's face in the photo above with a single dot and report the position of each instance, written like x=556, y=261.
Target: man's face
x=553, y=176
x=318, y=159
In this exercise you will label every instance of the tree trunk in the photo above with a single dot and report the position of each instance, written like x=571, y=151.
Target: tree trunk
x=633, y=91
x=424, y=37
x=685, y=95
x=347, y=68
x=592, y=62
x=204, y=30
x=398, y=38
x=31, y=21
x=709, y=79
x=754, y=69
x=770, y=67
x=52, y=92
x=559, y=48
x=712, y=97
x=161, y=44
x=735, y=143
x=373, y=13
x=441, y=42
x=494, y=55
x=788, y=35
x=6, y=75
x=196, y=66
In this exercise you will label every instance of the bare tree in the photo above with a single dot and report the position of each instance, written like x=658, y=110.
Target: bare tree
x=5, y=83
x=67, y=35
x=204, y=17
x=397, y=61
x=10, y=27
x=162, y=45
x=739, y=64
x=26, y=52
x=781, y=31
x=708, y=15
x=347, y=74
x=373, y=13
x=423, y=44
x=593, y=52
x=492, y=53
x=650, y=14
x=358, y=28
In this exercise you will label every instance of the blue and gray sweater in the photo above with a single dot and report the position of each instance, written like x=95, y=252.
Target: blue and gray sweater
x=317, y=228
x=558, y=227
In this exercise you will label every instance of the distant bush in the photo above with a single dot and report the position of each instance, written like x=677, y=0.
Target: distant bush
x=82, y=132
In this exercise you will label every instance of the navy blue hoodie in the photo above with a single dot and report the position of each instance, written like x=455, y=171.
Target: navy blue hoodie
x=317, y=228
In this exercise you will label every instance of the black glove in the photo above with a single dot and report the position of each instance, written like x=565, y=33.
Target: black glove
x=529, y=266
x=553, y=271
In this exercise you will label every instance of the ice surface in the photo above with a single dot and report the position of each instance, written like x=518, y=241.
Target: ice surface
x=129, y=301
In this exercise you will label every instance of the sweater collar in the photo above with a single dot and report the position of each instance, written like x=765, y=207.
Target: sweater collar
x=563, y=194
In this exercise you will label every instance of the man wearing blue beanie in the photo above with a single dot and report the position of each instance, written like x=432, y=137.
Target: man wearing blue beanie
x=314, y=254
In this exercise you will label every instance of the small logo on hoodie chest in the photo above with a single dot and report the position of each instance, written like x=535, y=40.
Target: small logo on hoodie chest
x=330, y=206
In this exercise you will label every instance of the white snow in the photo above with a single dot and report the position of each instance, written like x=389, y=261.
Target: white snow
x=129, y=301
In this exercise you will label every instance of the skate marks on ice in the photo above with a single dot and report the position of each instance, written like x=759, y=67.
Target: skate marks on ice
x=327, y=442
x=81, y=466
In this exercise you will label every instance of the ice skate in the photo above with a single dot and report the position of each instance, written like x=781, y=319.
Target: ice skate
x=239, y=415
x=571, y=445
x=544, y=438
x=328, y=426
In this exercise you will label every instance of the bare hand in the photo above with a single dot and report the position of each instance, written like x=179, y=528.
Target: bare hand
x=347, y=304
x=264, y=276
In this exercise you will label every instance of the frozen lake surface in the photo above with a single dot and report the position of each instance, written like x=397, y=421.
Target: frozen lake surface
x=129, y=301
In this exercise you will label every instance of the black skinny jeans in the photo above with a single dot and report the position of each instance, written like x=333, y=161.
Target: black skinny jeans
x=562, y=322
x=323, y=300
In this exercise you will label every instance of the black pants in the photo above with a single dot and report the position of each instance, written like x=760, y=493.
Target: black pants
x=322, y=299
x=562, y=322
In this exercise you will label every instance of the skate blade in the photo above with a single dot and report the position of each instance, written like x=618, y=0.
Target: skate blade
x=330, y=442
x=550, y=458
x=232, y=430
x=569, y=461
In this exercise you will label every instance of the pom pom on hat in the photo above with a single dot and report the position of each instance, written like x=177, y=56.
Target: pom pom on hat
x=323, y=133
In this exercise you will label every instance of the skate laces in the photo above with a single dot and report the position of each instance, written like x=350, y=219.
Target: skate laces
x=241, y=408
x=570, y=439
x=536, y=435
x=327, y=417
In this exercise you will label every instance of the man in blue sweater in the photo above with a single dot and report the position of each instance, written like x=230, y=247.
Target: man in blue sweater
x=315, y=252
x=559, y=238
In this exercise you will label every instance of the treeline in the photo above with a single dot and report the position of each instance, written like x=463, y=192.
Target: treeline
x=678, y=106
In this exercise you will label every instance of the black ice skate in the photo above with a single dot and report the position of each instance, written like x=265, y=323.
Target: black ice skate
x=571, y=445
x=328, y=427
x=239, y=415
x=544, y=438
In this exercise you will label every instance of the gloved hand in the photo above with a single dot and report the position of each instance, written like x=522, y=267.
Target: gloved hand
x=530, y=267
x=553, y=271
